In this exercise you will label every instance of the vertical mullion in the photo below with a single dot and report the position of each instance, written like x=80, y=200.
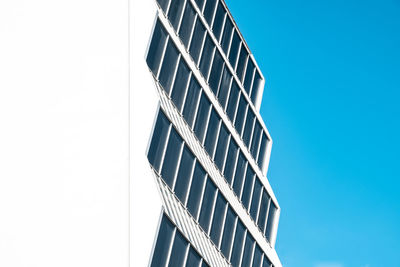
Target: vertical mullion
x=223, y=224
x=162, y=56
x=170, y=247
x=181, y=17
x=177, y=166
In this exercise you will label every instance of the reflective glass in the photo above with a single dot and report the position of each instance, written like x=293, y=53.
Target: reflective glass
x=234, y=50
x=271, y=217
x=255, y=91
x=193, y=258
x=180, y=84
x=239, y=174
x=202, y=117
x=233, y=100
x=238, y=244
x=257, y=256
x=230, y=161
x=191, y=101
x=187, y=23
x=248, y=186
x=156, y=47
x=242, y=62
x=224, y=86
x=171, y=157
x=248, y=128
x=206, y=56
x=204, y=264
x=218, y=218
x=263, y=210
x=255, y=141
x=226, y=241
x=163, y=4
x=212, y=132
x=255, y=200
x=266, y=261
x=200, y=4
x=222, y=144
x=249, y=76
x=197, y=40
x=175, y=12
x=178, y=252
x=207, y=205
x=168, y=66
x=240, y=114
x=184, y=174
x=263, y=151
x=216, y=72
x=248, y=250
x=218, y=21
x=158, y=141
x=196, y=189
x=226, y=35
x=209, y=10
x=164, y=240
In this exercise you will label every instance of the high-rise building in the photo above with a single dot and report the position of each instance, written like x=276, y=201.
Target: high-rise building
x=208, y=148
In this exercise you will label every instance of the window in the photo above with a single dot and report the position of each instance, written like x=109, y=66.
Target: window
x=270, y=222
x=257, y=256
x=248, y=187
x=207, y=205
x=239, y=174
x=249, y=76
x=216, y=72
x=185, y=30
x=209, y=10
x=200, y=4
x=226, y=36
x=175, y=12
x=178, y=252
x=218, y=21
x=158, y=141
x=263, y=210
x=180, y=84
x=212, y=132
x=192, y=98
x=206, y=56
x=196, y=190
x=171, y=158
x=184, y=174
x=234, y=50
x=240, y=114
x=238, y=244
x=164, y=240
x=163, y=4
x=218, y=218
x=204, y=264
x=248, y=250
x=233, y=100
x=222, y=145
x=197, y=40
x=193, y=258
x=202, y=117
x=266, y=261
x=224, y=86
x=227, y=236
x=255, y=199
x=230, y=161
x=242, y=62
x=156, y=47
x=248, y=129
x=168, y=66
x=255, y=141
x=255, y=91
x=263, y=150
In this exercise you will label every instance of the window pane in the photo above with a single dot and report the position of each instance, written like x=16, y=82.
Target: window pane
x=234, y=50
x=257, y=256
x=218, y=218
x=209, y=10
x=263, y=210
x=248, y=250
x=255, y=141
x=168, y=66
x=221, y=146
x=184, y=174
x=255, y=200
x=204, y=264
x=180, y=84
x=240, y=114
x=191, y=100
x=224, y=87
x=242, y=62
x=218, y=20
x=249, y=76
x=248, y=128
x=171, y=158
x=226, y=36
x=206, y=56
x=158, y=141
x=266, y=261
x=156, y=47
x=226, y=242
x=248, y=187
x=178, y=252
x=233, y=100
x=239, y=174
x=255, y=91
x=193, y=259
x=202, y=117
x=207, y=205
x=238, y=244
x=212, y=131
x=216, y=72
x=164, y=240
x=263, y=150
x=196, y=189
x=175, y=12
x=230, y=161
x=200, y=4
x=197, y=40
x=187, y=23
x=163, y=4
x=271, y=217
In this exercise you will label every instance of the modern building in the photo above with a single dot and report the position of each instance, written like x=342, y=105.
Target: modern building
x=206, y=198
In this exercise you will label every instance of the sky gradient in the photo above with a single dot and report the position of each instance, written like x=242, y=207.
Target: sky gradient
x=331, y=104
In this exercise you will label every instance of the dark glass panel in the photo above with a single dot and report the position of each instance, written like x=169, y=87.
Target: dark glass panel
x=226, y=242
x=248, y=250
x=242, y=62
x=248, y=186
x=222, y=144
x=206, y=56
x=202, y=117
x=238, y=244
x=255, y=200
x=191, y=100
x=255, y=141
x=224, y=86
x=196, y=190
x=193, y=259
x=271, y=217
x=234, y=50
x=207, y=205
x=168, y=66
x=163, y=4
x=200, y=4
x=239, y=174
x=184, y=174
x=180, y=84
x=197, y=40
x=156, y=47
x=216, y=72
x=158, y=141
x=263, y=151
x=178, y=252
x=263, y=210
x=209, y=10
x=257, y=256
x=218, y=20
x=230, y=161
x=249, y=76
x=226, y=35
x=240, y=114
x=175, y=12
x=164, y=240
x=218, y=218
x=266, y=261
x=212, y=132
x=248, y=128
x=204, y=264
x=171, y=158
x=233, y=100
x=256, y=88
x=187, y=23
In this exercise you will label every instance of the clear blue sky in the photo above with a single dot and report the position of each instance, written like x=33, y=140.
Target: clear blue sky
x=332, y=106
